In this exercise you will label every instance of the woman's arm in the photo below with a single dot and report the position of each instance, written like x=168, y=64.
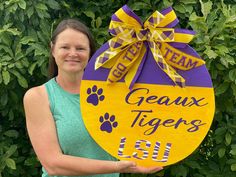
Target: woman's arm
x=42, y=132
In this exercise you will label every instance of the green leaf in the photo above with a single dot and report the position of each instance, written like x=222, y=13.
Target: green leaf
x=21, y=80
x=30, y=11
x=210, y=53
x=14, y=31
x=179, y=171
x=89, y=14
x=232, y=74
x=11, y=133
x=11, y=150
x=53, y=4
x=10, y=115
x=39, y=50
x=233, y=87
x=98, y=22
x=233, y=167
x=221, y=88
x=180, y=8
x=6, y=77
x=221, y=152
x=41, y=6
x=139, y=5
x=233, y=150
x=27, y=39
x=6, y=39
x=4, y=99
x=227, y=60
x=206, y=8
x=194, y=17
x=0, y=78
x=7, y=49
x=228, y=138
x=11, y=163
x=193, y=164
x=221, y=49
x=31, y=161
x=32, y=67
x=188, y=2
x=22, y=4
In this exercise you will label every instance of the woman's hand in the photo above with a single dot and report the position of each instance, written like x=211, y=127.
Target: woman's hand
x=131, y=167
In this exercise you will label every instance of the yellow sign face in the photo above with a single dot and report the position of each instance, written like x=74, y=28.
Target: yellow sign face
x=150, y=124
x=146, y=96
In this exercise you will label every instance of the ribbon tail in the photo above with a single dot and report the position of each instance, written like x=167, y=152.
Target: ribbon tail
x=134, y=72
x=124, y=62
x=174, y=76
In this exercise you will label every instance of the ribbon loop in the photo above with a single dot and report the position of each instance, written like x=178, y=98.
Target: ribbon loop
x=131, y=40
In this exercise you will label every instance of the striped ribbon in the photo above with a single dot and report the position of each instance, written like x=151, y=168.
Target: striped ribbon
x=131, y=40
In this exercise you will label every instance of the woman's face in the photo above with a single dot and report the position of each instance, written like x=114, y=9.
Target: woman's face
x=71, y=51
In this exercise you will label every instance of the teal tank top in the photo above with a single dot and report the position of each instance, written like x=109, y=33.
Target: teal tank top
x=73, y=137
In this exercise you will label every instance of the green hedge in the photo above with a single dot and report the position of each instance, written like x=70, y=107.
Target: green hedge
x=25, y=30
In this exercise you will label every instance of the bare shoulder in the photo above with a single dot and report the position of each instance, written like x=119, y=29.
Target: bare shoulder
x=37, y=94
x=36, y=103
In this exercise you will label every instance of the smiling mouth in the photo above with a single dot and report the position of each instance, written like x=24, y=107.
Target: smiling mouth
x=74, y=61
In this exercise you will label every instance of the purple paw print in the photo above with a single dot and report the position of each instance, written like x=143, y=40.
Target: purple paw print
x=107, y=123
x=95, y=95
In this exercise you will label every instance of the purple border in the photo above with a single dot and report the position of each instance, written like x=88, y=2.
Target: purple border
x=186, y=31
x=166, y=11
x=151, y=73
x=115, y=18
x=173, y=23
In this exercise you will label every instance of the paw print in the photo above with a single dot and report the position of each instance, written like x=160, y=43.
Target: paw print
x=95, y=95
x=107, y=123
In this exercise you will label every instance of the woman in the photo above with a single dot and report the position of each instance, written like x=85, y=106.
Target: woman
x=53, y=116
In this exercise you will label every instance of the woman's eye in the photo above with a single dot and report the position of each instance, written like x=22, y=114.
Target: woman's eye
x=65, y=47
x=80, y=48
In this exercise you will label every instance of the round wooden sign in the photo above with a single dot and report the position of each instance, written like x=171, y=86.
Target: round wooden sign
x=156, y=122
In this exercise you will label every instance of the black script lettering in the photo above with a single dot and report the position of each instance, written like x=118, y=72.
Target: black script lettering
x=196, y=124
x=179, y=122
x=181, y=101
x=168, y=121
x=195, y=102
x=139, y=114
x=152, y=124
x=151, y=99
x=163, y=100
x=140, y=99
x=133, y=98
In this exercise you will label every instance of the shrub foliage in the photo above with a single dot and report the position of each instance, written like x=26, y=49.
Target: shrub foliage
x=25, y=30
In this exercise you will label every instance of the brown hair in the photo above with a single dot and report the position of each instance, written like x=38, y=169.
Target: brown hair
x=63, y=25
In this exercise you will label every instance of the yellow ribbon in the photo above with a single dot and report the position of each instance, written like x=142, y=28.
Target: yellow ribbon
x=131, y=41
